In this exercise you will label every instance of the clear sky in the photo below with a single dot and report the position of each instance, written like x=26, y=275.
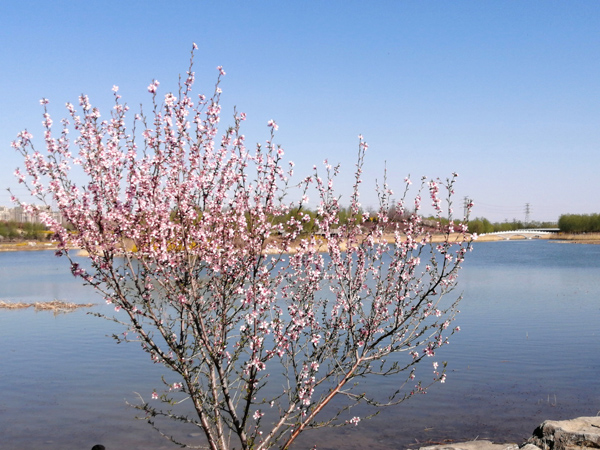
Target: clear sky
x=506, y=93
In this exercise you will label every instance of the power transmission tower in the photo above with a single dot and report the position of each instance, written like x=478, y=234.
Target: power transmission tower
x=527, y=212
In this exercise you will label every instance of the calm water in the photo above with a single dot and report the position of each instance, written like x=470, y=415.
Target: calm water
x=529, y=350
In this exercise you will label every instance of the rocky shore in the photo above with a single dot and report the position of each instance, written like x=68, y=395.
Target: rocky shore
x=582, y=433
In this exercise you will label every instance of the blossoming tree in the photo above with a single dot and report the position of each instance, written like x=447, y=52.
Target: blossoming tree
x=191, y=237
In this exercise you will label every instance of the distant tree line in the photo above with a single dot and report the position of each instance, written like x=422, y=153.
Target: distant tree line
x=569, y=223
x=579, y=223
x=14, y=231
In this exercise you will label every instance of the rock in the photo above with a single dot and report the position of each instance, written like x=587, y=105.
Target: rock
x=472, y=445
x=582, y=433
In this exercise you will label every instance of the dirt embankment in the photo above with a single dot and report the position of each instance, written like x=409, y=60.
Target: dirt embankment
x=583, y=238
x=39, y=245
x=26, y=246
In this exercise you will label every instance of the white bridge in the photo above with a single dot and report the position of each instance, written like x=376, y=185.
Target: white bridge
x=528, y=233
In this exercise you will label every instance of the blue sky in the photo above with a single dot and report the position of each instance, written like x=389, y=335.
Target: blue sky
x=506, y=93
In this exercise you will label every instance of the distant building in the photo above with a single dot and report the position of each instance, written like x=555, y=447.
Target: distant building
x=17, y=214
x=5, y=213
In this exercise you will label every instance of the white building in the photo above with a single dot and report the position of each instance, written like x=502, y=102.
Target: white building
x=18, y=215
x=5, y=213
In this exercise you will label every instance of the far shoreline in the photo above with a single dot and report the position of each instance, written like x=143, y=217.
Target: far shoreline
x=27, y=246
x=560, y=238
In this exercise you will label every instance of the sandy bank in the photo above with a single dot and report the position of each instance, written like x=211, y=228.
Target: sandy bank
x=26, y=246
x=584, y=238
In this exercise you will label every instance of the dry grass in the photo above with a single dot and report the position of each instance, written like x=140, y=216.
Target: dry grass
x=56, y=306
x=26, y=246
x=583, y=238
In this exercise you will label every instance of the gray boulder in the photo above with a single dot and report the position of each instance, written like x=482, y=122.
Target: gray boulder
x=472, y=445
x=582, y=433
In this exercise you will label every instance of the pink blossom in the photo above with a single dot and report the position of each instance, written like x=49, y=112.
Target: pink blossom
x=153, y=86
x=354, y=421
x=208, y=246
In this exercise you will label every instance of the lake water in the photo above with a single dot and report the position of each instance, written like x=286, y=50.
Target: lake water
x=529, y=350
